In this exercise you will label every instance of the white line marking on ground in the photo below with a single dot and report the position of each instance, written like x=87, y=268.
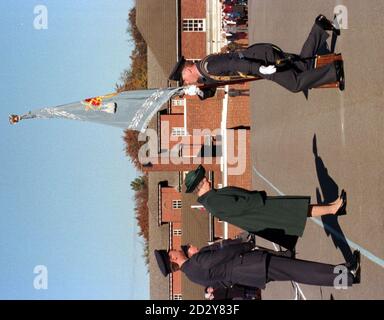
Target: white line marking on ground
x=295, y=285
x=342, y=120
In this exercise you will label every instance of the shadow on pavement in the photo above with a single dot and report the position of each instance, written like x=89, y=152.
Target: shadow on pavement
x=330, y=192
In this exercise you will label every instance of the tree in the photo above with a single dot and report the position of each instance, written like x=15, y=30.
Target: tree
x=136, y=76
x=132, y=147
x=146, y=253
x=140, y=186
x=139, y=183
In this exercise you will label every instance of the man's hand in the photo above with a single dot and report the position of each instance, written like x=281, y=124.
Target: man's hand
x=191, y=90
x=267, y=69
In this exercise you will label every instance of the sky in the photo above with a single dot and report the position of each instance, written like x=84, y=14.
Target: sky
x=65, y=196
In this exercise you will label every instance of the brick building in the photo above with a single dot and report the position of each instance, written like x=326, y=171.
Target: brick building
x=190, y=132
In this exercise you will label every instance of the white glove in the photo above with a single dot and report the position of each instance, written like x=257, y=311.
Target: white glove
x=267, y=70
x=191, y=90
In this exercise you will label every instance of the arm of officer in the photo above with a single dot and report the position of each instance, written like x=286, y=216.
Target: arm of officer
x=215, y=256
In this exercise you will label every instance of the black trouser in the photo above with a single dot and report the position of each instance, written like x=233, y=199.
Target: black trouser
x=301, y=271
x=279, y=237
x=303, y=76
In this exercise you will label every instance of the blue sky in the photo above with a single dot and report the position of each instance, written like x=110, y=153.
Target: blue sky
x=65, y=197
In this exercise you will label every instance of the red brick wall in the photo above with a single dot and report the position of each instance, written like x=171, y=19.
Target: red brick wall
x=168, y=122
x=168, y=214
x=193, y=44
x=219, y=228
x=193, y=9
x=176, y=282
x=176, y=243
x=174, y=120
x=238, y=108
x=177, y=110
x=203, y=114
x=233, y=231
x=218, y=177
x=176, y=240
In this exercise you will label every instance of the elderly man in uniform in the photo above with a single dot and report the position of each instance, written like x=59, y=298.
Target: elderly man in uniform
x=238, y=263
x=262, y=60
x=237, y=292
x=254, y=211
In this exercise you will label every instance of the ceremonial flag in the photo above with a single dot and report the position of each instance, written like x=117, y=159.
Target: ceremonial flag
x=128, y=109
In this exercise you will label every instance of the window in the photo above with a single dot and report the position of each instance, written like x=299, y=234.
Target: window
x=177, y=232
x=177, y=296
x=178, y=131
x=191, y=25
x=177, y=103
x=176, y=204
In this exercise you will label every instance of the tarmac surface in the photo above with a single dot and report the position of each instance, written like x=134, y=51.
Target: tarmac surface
x=332, y=141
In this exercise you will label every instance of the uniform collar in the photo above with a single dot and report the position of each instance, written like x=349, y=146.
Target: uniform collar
x=206, y=195
x=202, y=68
x=185, y=265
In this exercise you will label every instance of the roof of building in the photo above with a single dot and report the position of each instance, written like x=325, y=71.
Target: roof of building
x=157, y=22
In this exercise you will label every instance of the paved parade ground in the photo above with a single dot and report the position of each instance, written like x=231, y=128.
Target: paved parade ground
x=332, y=141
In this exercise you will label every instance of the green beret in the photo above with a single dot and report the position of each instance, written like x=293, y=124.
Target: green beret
x=193, y=178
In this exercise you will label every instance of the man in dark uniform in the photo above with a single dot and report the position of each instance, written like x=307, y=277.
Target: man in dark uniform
x=254, y=211
x=237, y=292
x=261, y=60
x=237, y=263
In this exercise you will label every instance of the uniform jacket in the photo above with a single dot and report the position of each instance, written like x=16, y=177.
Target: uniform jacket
x=224, y=68
x=253, y=211
x=232, y=262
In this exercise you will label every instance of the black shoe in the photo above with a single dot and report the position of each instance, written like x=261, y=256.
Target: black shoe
x=343, y=208
x=339, y=66
x=355, y=268
x=324, y=23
